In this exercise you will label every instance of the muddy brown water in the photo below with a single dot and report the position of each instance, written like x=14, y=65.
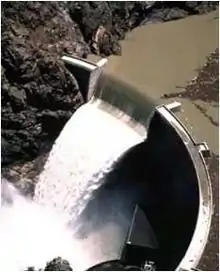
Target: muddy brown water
x=162, y=59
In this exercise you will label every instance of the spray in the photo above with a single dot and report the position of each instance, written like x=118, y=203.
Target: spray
x=84, y=153
x=31, y=235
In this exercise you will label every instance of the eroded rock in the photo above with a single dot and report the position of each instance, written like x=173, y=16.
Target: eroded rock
x=38, y=93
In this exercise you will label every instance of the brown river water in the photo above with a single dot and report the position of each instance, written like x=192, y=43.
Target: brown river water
x=160, y=59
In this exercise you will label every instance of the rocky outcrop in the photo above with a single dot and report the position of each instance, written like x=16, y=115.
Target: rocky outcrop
x=116, y=18
x=38, y=93
x=57, y=264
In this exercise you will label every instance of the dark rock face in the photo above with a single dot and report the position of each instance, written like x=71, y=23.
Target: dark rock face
x=117, y=18
x=173, y=10
x=38, y=93
x=58, y=264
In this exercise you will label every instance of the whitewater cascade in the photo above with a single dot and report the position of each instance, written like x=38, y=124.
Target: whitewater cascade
x=31, y=235
x=83, y=154
x=85, y=151
x=36, y=232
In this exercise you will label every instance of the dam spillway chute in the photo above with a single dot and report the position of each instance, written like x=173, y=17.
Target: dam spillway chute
x=153, y=209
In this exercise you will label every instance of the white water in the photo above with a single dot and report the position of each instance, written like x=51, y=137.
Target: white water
x=31, y=235
x=84, y=152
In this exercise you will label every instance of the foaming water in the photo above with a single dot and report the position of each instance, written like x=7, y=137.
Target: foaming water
x=30, y=234
x=83, y=154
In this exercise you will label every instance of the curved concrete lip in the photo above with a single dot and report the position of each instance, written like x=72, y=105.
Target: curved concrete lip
x=198, y=152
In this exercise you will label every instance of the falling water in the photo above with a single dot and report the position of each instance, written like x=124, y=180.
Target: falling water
x=34, y=232
x=31, y=235
x=83, y=154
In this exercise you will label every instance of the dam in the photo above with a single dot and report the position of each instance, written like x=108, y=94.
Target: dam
x=143, y=198
x=126, y=180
